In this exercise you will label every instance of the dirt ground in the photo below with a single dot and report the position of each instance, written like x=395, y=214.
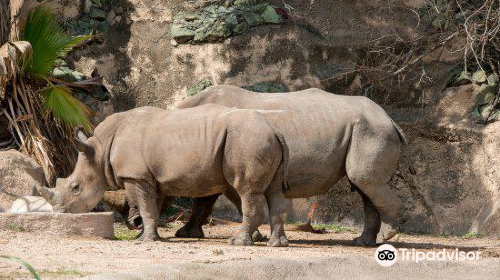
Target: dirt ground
x=75, y=257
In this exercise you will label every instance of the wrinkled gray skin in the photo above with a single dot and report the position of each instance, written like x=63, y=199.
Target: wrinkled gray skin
x=195, y=152
x=329, y=136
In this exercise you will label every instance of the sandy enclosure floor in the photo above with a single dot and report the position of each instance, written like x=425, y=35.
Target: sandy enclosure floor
x=73, y=257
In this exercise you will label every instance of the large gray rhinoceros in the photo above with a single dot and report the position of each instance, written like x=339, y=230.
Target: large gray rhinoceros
x=153, y=153
x=329, y=136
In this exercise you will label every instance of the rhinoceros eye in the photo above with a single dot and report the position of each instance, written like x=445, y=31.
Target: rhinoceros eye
x=75, y=188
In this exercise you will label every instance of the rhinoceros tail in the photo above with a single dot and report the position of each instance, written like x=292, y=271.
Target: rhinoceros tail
x=405, y=147
x=285, y=159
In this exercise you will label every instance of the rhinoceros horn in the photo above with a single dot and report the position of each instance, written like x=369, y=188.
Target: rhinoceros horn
x=45, y=192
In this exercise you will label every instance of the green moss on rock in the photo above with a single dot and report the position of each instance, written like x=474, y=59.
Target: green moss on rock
x=218, y=22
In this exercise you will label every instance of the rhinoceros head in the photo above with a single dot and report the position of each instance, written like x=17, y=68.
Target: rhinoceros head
x=84, y=188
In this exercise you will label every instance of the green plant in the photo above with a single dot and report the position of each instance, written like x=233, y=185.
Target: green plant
x=124, y=234
x=25, y=264
x=335, y=228
x=61, y=272
x=49, y=43
x=16, y=228
x=470, y=235
x=40, y=108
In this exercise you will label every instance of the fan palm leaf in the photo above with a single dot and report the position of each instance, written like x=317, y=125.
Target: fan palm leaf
x=60, y=102
x=48, y=41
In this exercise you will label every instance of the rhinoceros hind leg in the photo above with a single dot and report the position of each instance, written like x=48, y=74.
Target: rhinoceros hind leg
x=277, y=211
x=372, y=222
x=370, y=165
x=253, y=216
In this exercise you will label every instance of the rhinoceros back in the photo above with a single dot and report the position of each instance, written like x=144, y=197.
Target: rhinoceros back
x=169, y=147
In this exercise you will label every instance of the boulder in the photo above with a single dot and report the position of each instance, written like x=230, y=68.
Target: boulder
x=479, y=76
x=18, y=174
x=98, y=14
x=87, y=6
x=486, y=94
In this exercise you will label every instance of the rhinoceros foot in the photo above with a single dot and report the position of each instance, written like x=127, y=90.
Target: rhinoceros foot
x=241, y=239
x=278, y=242
x=189, y=232
x=388, y=235
x=364, y=241
x=147, y=237
x=389, y=230
x=258, y=237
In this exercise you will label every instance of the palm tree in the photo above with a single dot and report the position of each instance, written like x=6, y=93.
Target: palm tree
x=40, y=109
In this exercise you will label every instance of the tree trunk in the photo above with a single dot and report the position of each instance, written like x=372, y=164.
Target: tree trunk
x=4, y=21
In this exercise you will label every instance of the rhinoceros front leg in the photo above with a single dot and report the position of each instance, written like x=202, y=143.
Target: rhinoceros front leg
x=145, y=196
x=276, y=202
x=253, y=216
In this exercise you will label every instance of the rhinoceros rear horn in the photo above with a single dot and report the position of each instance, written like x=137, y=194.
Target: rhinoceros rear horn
x=46, y=193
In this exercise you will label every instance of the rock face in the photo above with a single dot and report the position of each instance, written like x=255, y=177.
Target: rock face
x=320, y=41
x=89, y=224
x=18, y=174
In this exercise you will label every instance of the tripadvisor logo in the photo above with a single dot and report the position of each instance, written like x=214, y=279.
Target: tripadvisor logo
x=387, y=255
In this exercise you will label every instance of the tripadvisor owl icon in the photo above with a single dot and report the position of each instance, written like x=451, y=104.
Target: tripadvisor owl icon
x=386, y=255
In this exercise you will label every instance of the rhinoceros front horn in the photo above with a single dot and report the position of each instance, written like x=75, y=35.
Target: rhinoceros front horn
x=46, y=193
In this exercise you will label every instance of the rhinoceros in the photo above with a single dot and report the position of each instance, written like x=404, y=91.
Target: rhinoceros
x=153, y=153
x=329, y=136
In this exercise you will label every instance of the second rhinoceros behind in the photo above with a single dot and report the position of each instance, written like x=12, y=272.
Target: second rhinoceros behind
x=152, y=153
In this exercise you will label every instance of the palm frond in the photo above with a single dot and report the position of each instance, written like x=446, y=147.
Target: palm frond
x=65, y=107
x=48, y=41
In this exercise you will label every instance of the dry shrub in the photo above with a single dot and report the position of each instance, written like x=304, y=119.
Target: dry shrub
x=466, y=31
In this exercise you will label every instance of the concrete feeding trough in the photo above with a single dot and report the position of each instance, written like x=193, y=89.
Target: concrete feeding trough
x=88, y=224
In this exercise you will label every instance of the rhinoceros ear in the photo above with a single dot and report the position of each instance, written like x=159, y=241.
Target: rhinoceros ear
x=80, y=134
x=83, y=145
